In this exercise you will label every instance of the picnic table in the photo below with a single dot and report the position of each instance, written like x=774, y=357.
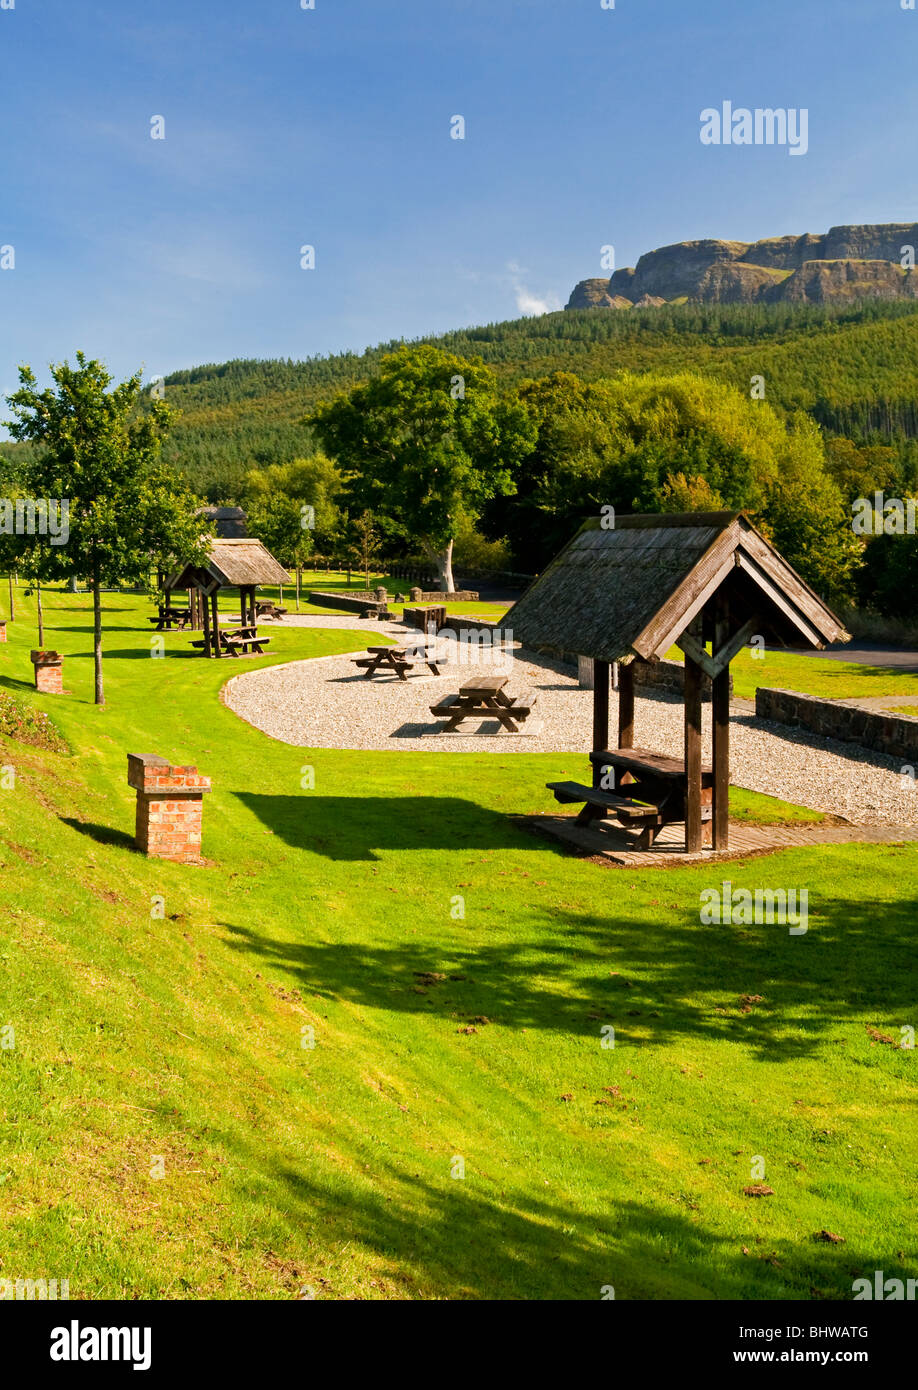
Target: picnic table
x=243, y=639
x=397, y=659
x=168, y=615
x=265, y=608
x=648, y=791
x=484, y=697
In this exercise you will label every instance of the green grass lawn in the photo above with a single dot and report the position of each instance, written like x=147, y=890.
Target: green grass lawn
x=456, y=974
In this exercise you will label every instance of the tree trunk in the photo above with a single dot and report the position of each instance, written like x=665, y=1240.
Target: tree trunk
x=12, y=600
x=299, y=573
x=444, y=562
x=41, y=621
x=97, y=631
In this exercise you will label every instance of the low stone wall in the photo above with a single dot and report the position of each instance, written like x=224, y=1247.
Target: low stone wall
x=894, y=734
x=668, y=678
x=353, y=602
x=430, y=596
x=457, y=623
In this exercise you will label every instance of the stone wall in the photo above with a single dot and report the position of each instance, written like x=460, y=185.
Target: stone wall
x=894, y=734
x=357, y=601
x=435, y=596
x=364, y=600
x=668, y=678
x=457, y=623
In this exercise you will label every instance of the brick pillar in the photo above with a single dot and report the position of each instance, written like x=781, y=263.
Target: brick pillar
x=49, y=672
x=169, y=805
x=2, y=629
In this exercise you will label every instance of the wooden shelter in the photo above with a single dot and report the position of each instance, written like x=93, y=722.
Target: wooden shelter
x=238, y=563
x=628, y=594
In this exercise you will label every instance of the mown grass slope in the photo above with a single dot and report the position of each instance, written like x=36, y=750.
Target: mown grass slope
x=172, y=1044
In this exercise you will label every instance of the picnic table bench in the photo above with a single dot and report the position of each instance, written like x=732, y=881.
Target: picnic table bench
x=167, y=616
x=236, y=641
x=397, y=659
x=485, y=698
x=648, y=791
x=266, y=608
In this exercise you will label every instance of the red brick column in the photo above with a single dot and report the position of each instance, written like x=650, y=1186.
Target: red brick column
x=2, y=629
x=49, y=672
x=169, y=805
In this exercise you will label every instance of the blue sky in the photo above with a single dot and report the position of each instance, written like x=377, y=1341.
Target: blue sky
x=331, y=127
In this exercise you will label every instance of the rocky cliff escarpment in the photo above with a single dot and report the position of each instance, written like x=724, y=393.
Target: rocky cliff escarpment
x=846, y=263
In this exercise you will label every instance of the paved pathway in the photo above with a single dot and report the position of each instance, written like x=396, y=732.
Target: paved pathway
x=861, y=654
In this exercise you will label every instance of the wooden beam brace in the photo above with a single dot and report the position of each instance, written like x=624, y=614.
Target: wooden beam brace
x=696, y=652
x=725, y=653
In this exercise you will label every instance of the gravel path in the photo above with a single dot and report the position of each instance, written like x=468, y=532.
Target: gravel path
x=328, y=703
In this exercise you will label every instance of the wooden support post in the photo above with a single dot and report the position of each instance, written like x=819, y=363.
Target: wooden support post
x=600, y=714
x=692, y=756
x=626, y=705
x=720, y=705
x=215, y=622
x=203, y=605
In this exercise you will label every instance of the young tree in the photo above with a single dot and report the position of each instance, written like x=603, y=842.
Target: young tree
x=292, y=506
x=366, y=543
x=97, y=451
x=424, y=441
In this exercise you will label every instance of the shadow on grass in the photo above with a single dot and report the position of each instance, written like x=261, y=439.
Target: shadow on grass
x=140, y=653
x=102, y=834
x=657, y=982
x=11, y=683
x=449, y=1239
x=353, y=828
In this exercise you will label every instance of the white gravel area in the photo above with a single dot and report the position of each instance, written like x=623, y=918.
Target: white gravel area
x=328, y=703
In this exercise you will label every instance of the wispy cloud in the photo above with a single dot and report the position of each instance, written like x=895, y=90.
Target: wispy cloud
x=526, y=301
x=529, y=303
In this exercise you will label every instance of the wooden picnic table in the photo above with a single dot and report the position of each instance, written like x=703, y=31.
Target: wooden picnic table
x=235, y=641
x=648, y=790
x=484, y=697
x=397, y=659
x=168, y=615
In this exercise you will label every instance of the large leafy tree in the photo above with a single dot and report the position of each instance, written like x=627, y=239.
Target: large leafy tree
x=424, y=443
x=625, y=442
x=96, y=449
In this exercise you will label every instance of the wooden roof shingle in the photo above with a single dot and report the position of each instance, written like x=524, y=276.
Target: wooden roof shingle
x=631, y=590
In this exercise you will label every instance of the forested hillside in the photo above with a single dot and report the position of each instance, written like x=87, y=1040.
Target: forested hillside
x=627, y=409
x=851, y=367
